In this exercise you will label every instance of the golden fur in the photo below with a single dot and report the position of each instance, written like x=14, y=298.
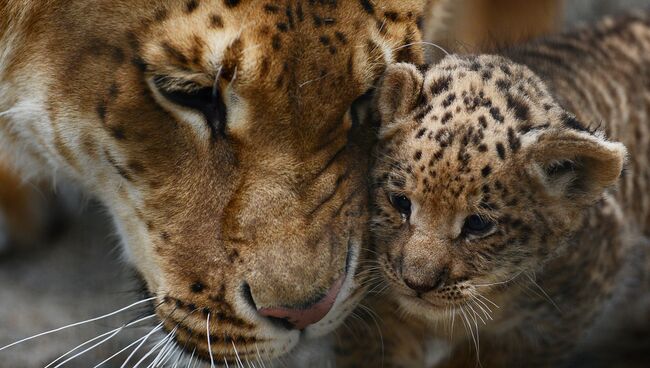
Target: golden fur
x=267, y=210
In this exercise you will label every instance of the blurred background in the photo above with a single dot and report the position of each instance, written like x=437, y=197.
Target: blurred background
x=79, y=275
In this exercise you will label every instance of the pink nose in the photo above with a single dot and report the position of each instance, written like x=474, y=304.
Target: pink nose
x=301, y=318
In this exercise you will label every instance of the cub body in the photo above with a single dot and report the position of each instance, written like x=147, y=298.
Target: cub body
x=502, y=218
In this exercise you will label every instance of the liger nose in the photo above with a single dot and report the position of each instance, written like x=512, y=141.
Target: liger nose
x=300, y=318
x=434, y=281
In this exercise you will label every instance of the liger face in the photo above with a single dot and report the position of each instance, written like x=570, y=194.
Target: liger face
x=480, y=178
x=223, y=137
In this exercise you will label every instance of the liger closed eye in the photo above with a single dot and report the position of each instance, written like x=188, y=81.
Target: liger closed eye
x=206, y=100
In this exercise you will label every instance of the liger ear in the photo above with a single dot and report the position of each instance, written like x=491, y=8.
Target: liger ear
x=398, y=94
x=576, y=164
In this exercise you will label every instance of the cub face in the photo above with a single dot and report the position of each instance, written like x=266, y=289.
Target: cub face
x=481, y=177
x=220, y=134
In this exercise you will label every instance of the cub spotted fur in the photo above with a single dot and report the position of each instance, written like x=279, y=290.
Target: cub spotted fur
x=500, y=203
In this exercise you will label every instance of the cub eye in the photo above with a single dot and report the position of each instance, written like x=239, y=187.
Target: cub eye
x=206, y=100
x=402, y=204
x=477, y=225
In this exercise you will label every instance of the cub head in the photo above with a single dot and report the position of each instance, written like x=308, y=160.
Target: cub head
x=223, y=137
x=481, y=176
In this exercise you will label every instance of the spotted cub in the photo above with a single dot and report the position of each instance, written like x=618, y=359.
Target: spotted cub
x=501, y=209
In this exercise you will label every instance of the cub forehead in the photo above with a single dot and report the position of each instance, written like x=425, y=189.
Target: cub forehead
x=487, y=102
x=511, y=92
x=473, y=116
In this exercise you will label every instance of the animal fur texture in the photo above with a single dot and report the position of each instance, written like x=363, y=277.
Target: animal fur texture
x=512, y=199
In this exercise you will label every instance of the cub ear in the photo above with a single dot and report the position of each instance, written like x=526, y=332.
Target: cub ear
x=576, y=164
x=398, y=93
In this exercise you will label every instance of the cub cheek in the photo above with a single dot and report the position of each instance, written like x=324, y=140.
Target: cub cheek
x=396, y=248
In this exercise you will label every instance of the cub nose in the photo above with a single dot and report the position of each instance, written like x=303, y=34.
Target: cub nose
x=300, y=318
x=430, y=282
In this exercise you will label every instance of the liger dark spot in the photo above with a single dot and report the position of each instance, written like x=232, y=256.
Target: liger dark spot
x=270, y=8
x=423, y=113
x=444, y=137
x=139, y=64
x=113, y=90
x=486, y=171
x=118, y=132
x=367, y=6
x=440, y=85
x=216, y=21
x=522, y=111
x=233, y=255
x=392, y=16
x=446, y=117
x=282, y=27
x=449, y=100
x=341, y=37
x=417, y=156
x=513, y=140
x=299, y=12
x=496, y=114
x=318, y=21
x=160, y=15
x=191, y=6
x=350, y=65
x=482, y=121
x=276, y=42
x=423, y=68
x=486, y=75
x=325, y=40
x=231, y=3
x=503, y=85
x=420, y=133
x=101, y=111
x=165, y=236
x=289, y=13
x=482, y=148
x=501, y=151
